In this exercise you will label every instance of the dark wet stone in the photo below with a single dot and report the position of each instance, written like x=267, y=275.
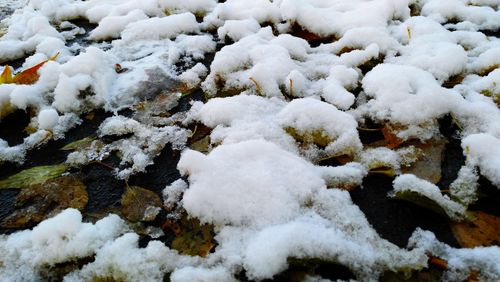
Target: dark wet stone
x=7, y=205
x=103, y=188
x=12, y=127
x=49, y=154
x=453, y=157
x=396, y=220
x=161, y=173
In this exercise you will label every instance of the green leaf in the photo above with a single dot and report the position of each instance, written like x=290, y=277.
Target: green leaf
x=420, y=200
x=79, y=144
x=33, y=176
x=57, y=194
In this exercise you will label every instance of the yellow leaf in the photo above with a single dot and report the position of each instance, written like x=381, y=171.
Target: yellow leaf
x=6, y=76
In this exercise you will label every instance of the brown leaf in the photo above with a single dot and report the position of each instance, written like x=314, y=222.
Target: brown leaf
x=484, y=230
x=191, y=237
x=428, y=164
x=38, y=202
x=139, y=204
x=390, y=136
x=438, y=262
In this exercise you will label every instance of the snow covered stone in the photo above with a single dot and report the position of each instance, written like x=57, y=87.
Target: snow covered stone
x=321, y=123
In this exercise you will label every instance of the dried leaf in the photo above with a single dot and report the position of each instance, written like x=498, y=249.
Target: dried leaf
x=438, y=262
x=317, y=137
x=57, y=194
x=191, y=237
x=33, y=176
x=390, y=136
x=139, y=204
x=483, y=230
x=428, y=164
x=201, y=145
x=90, y=116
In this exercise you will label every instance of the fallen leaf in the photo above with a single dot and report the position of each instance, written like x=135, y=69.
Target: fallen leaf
x=420, y=200
x=90, y=116
x=390, y=136
x=6, y=76
x=41, y=201
x=79, y=144
x=201, y=145
x=191, y=237
x=27, y=76
x=139, y=204
x=428, y=164
x=317, y=137
x=438, y=262
x=33, y=176
x=30, y=75
x=482, y=230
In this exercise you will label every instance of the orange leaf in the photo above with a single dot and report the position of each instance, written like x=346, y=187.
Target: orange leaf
x=30, y=75
x=438, y=262
x=483, y=231
x=393, y=141
x=6, y=76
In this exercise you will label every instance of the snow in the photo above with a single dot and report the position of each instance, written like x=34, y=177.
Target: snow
x=411, y=183
x=483, y=150
x=58, y=239
x=464, y=188
x=268, y=199
x=310, y=116
x=459, y=260
x=237, y=29
x=47, y=119
x=112, y=26
x=276, y=104
x=172, y=194
x=159, y=28
x=402, y=103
